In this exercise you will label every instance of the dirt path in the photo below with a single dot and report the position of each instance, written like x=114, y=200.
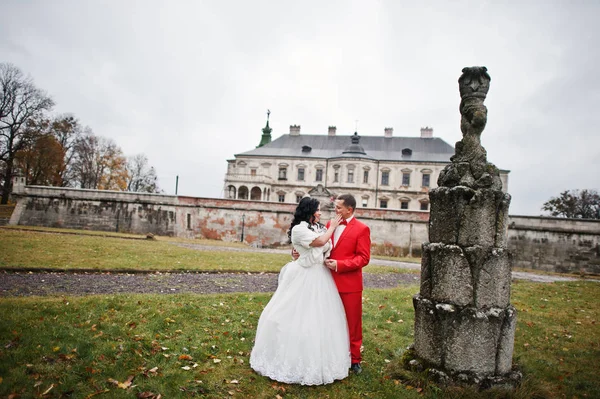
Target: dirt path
x=60, y=283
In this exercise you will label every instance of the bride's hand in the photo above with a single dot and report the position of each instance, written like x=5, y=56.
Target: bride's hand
x=335, y=222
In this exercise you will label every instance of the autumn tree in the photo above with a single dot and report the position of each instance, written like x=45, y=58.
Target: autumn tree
x=99, y=163
x=42, y=161
x=580, y=204
x=141, y=176
x=20, y=102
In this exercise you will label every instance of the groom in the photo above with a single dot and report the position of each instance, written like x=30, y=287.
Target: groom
x=351, y=252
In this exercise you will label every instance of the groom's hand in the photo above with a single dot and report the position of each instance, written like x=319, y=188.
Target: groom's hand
x=295, y=254
x=331, y=264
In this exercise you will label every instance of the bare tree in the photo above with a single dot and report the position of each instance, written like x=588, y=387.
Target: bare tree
x=141, y=176
x=99, y=163
x=584, y=204
x=20, y=102
x=67, y=130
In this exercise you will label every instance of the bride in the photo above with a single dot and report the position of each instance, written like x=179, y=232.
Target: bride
x=302, y=335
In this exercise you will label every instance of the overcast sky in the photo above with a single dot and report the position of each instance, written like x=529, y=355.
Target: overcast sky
x=188, y=83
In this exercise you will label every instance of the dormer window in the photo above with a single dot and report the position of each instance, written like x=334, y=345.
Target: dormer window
x=306, y=148
x=406, y=151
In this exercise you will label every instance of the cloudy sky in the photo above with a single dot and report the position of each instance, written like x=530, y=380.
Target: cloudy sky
x=188, y=83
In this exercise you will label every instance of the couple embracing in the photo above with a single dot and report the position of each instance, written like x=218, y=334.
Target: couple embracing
x=310, y=332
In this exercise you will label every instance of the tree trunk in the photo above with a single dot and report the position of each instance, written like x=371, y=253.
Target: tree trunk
x=6, y=187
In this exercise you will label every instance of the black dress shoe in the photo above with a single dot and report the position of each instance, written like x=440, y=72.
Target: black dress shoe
x=355, y=368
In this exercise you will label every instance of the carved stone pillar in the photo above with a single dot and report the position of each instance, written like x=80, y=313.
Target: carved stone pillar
x=464, y=322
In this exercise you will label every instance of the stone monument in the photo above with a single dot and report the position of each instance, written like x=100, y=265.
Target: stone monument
x=464, y=322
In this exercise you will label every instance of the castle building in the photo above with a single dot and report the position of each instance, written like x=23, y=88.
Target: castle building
x=380, y=171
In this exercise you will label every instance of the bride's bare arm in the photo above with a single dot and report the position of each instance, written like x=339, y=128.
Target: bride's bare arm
x=322, y=239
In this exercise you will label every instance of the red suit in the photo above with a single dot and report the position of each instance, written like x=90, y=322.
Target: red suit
x=352, y=251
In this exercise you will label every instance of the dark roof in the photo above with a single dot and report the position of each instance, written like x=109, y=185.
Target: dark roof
x=375, y=147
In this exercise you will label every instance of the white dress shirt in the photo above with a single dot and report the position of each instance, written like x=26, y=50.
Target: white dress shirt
x=339, y=230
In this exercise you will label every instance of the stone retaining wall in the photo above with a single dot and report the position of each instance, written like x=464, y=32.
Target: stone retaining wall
x=555, y=244
x=551, y=244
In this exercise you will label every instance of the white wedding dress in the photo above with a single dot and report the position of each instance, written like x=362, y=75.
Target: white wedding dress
x=302, y=335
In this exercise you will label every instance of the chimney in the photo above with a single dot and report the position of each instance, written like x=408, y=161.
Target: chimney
x=426, y=132
x=294, y=130
x=388, y=131
x=331, y=131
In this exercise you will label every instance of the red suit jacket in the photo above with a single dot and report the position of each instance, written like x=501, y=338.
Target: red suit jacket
x=352, y=252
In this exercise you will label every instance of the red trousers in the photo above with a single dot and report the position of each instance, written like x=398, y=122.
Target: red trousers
x=353, y=305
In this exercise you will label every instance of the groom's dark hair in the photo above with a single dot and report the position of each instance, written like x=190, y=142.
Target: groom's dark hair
x=349, y=200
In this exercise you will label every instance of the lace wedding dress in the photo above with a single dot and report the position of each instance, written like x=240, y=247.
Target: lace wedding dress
x=302, y=335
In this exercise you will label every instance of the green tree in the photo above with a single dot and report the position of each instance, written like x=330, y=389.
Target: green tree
x=580, y=204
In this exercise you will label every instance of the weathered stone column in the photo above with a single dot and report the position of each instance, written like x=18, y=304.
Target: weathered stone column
x=464, y=322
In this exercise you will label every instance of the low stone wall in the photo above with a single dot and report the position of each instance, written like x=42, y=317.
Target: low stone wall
x=555, y=244
x=551, y=244
x=260, y=223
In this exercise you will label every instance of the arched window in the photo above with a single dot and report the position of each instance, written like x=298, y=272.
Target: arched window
x=231, y=192
x=243, y=192
x=255, y=194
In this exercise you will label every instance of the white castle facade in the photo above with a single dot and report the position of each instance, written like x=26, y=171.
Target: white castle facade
x=380, y=171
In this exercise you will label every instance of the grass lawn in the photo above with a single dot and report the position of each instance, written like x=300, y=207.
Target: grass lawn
x=32, y=249
x=63, y=249
x=198, y=345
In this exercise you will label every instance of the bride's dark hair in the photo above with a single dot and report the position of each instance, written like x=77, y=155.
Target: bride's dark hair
x=304, y=213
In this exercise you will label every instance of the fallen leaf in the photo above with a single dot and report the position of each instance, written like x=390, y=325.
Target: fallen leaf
x=153, y=370
x=234, y=382
x=185, y=357
x=127, y=383
x=186, y=368
x=217, y=360
x=48, y=390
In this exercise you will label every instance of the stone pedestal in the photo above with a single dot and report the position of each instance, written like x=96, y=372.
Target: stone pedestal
x=464, y=322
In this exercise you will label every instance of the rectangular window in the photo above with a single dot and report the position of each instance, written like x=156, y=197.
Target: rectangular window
x=424, y=206
x=350, y=176
x=282, y=173
x=406, y=179
x=364, y=202
x=319, y=175
x=301, y=174
x=426, y=179
x=281, y=198
x=366, y=176
x=298, y=198
x=252, y=172
x=403, y=204
x=383, y=203
x=336, y=176
x=189, y=221
x=385, y=178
